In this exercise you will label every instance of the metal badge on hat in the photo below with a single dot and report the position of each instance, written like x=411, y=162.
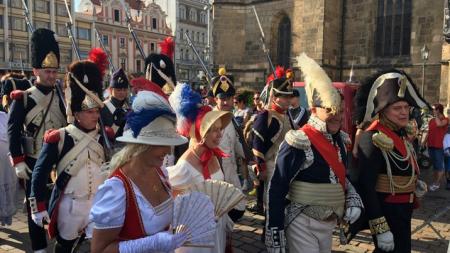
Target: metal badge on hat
x=50, y=61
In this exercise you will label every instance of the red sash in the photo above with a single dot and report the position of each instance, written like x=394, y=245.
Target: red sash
x=132, y=228
x=327, y=151
x=398, y=142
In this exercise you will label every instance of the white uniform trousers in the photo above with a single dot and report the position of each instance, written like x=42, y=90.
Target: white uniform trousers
x=73, y=216
x=307, y=235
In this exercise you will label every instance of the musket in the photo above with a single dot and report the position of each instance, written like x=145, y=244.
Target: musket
x=205, y=69
x=26, y=13
x=247, y=151
x=77, y=51
x=130, y=29
x=100, y=41
x=263, y=42
x=69, y=31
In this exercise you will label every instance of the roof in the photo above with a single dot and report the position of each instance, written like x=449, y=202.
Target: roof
x=134, y=4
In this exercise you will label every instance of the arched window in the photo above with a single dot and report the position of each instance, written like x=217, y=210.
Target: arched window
x=284, y=42
x=182, y=12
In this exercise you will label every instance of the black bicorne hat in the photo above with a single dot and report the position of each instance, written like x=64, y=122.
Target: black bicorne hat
x=223, y=85
x=383, y=89
x=44, y=49
x=119, y=80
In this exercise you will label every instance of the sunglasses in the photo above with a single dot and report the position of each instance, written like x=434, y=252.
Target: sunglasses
x=256, y=98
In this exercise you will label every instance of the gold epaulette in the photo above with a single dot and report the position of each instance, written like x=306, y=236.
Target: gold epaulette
x=297, y=139
x=382, y=141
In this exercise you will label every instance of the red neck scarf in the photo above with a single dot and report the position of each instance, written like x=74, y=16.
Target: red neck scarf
x=206, y=156
x=277, y=108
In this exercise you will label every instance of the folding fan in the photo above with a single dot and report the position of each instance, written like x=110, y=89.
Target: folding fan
x=224, y=196
x=194, y=212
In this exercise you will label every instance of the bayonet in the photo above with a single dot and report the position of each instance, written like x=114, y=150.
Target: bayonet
x=26, y=13
x=205, y=69
x=130, y=29
x=263, y=42
x=70, y=32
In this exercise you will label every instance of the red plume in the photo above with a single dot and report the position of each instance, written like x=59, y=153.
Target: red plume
x=167, y=47
x=141, y=83
x=280, y=71
x=100, y=58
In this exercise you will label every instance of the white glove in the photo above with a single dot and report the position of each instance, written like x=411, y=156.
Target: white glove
x=40, y=217
x=421, y=188
x=385, y=241
x=22, y=171
x=162, y=241
x=352, y=214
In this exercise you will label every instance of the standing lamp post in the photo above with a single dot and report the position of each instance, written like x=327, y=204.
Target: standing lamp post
x=424, y=53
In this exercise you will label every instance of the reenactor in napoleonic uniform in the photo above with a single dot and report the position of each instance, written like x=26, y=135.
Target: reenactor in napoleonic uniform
x=269, y=128
x=309, y=192
x=116, y=107
x=11, y=82
x=32, y=112
x=388, y=171
x=77, y=152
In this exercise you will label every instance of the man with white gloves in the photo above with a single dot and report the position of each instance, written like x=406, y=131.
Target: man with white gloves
x=388, y=180
x=310, y=175
x=33, y=112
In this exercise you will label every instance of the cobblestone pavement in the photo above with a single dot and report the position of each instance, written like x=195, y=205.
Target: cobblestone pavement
x=434, y=238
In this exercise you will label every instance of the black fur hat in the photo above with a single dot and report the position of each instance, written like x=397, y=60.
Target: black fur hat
x=87, y=74
x=159, y=68
x=44, y=49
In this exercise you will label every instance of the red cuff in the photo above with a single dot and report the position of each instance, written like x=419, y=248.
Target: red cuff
x=16, y=160
x=36, y=207
x=261, y=167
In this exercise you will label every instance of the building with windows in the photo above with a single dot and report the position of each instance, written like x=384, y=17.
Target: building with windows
x=192, y=18
x=15, y=36
x=367, y=34
x=107, y=16
x=148, y=22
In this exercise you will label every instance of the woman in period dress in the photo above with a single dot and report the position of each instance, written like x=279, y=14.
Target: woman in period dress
x=202, y=159
x=133, y=209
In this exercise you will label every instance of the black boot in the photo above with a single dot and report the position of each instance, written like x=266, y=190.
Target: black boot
x=63, y=246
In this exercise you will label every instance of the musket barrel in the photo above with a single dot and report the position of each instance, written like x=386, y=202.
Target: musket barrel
x=207, y=71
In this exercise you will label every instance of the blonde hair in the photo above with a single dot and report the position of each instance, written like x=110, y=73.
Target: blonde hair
x=126, y=153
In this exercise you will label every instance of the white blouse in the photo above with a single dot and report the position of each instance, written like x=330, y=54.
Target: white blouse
x=183, y=174
x=108, y=210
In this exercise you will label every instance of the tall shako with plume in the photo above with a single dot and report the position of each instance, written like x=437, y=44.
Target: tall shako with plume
x=277, y=86
x=265, y=93
x=318, y=86
x=159, y=68
x=84, y=81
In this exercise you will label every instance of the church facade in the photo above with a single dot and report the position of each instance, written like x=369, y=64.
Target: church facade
x=368, y=35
